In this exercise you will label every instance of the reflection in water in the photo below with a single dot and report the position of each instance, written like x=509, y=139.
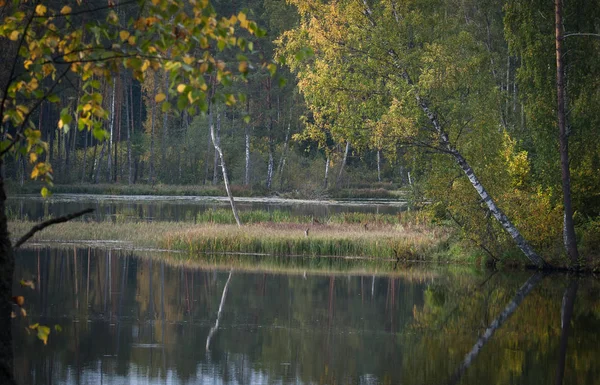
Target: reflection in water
x=495, y=325
x=216, y=326
x=133, y=319
x=568, y=303
x=179, y=208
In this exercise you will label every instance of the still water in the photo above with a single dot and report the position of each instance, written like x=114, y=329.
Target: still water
x=131, y=319
x=181, y=208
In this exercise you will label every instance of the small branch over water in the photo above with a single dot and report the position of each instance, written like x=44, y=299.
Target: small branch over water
x=50, y=222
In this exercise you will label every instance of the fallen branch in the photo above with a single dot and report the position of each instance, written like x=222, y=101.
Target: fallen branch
x=50, y=222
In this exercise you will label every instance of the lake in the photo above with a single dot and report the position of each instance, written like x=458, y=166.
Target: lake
x=182, y=208
x=127, y=318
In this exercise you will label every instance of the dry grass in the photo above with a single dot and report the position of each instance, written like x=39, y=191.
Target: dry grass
x=404, y=242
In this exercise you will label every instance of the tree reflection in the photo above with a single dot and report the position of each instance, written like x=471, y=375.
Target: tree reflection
x=495, y=325
x=568, y=303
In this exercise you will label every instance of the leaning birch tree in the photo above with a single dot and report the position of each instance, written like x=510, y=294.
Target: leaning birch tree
x=413, y=71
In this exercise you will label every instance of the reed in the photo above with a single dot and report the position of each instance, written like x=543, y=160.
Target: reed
x=395, y=242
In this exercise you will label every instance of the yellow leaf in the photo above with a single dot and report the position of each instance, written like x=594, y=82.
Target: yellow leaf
x=131, y=40
x=243, y=67
x=243, y=21
x=160, y=97
x=124, y=35
x=33, y=157
x=27, y=63
x=14, y=35
x=45, y=192
x=60, y=123
x=188, y=60
x=181, y=88
x=35, y=173
x=66, y=9
x=40, y=10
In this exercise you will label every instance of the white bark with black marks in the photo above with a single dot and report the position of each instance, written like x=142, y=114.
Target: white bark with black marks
x=217, y=143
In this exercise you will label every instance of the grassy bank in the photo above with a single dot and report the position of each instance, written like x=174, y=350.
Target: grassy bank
x=408, y=242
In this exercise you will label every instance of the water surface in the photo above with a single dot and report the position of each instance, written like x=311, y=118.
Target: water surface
x=130, y=319
x=182, y=208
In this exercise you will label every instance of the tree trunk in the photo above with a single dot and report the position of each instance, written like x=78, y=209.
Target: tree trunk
x=247, y=147
x=85, y=148
x=270, y=165
x=98, y=162
x=216, y=153
x=153, y=115
x=446, y=147
x=7, y=267
x=207, y=157
x=326, y=179
x=163, y=141
x=95, y=162
x=285, y=150
x=111, y=133
x=569, y=227
x=378, y=165
x=339, y=177
x=217, y=143
x=129, y=117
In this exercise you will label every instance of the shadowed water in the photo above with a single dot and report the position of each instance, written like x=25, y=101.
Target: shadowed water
x=129, y=319
x=181, y=208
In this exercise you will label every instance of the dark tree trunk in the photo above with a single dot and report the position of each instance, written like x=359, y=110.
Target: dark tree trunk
x=569, y=227
x=7, y=267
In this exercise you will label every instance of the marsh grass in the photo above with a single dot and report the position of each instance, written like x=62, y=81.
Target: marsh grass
x=367, y=220
x=392, y=242
x=397, y=242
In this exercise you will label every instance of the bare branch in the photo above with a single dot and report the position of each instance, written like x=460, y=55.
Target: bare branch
x=596, y=35
x=43, y=225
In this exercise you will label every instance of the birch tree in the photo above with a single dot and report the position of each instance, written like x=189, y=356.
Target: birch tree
x=425, y=70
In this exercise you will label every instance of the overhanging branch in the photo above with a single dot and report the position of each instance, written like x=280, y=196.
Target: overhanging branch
x=50, y=222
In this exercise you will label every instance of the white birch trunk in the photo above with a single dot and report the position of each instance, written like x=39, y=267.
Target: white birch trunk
x=111, y=131
x=247, y=168
x=445, y=146
x=217, y=143
x=339, y=178
x=326, y=179
x=270, y=166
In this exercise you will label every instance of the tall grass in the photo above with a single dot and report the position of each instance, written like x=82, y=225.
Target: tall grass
x=347, y=240
x=291, y=239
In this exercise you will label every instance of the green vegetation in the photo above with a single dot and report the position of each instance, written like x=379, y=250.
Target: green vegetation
x=403, y=242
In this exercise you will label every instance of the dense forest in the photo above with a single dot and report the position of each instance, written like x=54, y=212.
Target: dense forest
x=462, y=103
